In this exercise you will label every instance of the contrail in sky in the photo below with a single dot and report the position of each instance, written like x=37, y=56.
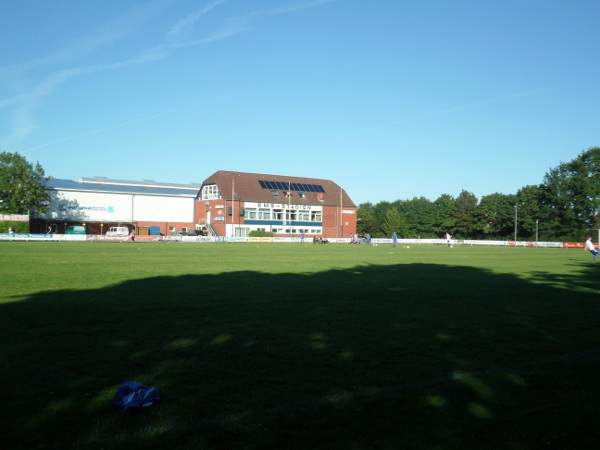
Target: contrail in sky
x=101, y=130
x=24, y=104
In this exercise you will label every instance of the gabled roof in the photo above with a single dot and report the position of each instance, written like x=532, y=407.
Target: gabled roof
x=257, y=187
x=102, y=184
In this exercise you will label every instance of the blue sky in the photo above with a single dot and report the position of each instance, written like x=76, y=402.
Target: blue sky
x=390, y=99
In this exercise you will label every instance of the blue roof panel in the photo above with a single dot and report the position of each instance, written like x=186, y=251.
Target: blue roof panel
x=126, y=187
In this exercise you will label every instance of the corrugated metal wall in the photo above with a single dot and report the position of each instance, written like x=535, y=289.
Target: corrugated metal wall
x=163, y=209
x=106, y=207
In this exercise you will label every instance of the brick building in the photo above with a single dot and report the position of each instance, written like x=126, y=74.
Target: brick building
x=226, y=204
x=236, y=203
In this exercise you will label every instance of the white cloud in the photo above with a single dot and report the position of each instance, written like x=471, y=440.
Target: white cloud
x=100, y=37
x=183, y=26
x=293, y=7
x=23, y=103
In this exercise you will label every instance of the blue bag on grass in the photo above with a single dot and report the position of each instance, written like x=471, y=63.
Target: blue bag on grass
x=131, y=395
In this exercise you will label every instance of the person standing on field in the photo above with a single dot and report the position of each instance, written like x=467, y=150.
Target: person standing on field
x=132, y=235
x=449, y=239
x=394, y=239
x=589, y=245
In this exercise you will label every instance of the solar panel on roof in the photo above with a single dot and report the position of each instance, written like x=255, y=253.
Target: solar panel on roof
x=283, y=186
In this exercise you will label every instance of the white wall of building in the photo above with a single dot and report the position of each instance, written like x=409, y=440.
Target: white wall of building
x=163, y=209
x=112, y=207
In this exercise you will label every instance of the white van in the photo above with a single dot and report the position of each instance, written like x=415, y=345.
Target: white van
x=118, y=231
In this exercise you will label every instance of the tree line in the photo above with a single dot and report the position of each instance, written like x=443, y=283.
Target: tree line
x=22, y=185
x=564, y=207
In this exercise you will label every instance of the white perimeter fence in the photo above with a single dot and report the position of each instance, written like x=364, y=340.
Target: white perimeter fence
x=234, y=239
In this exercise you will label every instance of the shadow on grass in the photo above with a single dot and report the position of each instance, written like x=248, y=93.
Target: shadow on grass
x=406, y=356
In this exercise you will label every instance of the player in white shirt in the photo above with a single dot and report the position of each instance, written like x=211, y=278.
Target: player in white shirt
x=589, y=245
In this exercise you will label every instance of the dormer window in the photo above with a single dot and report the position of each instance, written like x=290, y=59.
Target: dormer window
x=275, y=193
x=287, y=194
x=210, y=192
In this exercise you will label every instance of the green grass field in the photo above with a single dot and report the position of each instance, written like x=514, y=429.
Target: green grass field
x=291, y=346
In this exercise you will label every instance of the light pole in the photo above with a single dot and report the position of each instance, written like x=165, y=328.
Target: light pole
x=516, y=217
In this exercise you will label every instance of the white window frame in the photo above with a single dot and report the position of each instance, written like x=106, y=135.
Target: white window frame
x=250, y=213
x=210, y=192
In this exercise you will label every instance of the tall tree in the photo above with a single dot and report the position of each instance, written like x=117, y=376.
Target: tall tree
x=366, y=221
x=533, y=214
x=420, y=217
x=22, y=185
x=572, y=191
x=466, y=215
x=380, y=211
x=584, y=184
x=496, y=214
x=445, y=221
x=394, y=223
